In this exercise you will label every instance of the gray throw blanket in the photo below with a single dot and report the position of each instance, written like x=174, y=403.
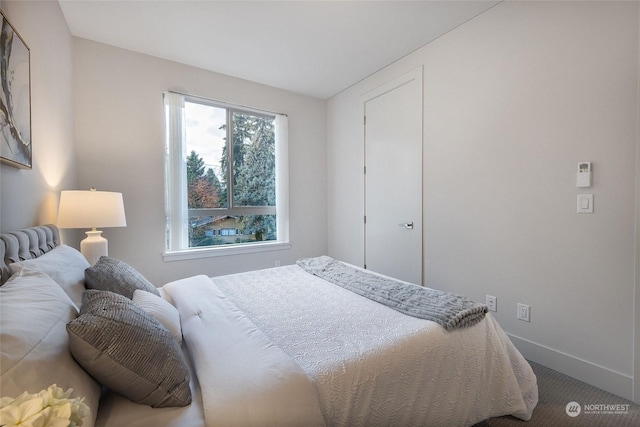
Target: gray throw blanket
x=449, y=310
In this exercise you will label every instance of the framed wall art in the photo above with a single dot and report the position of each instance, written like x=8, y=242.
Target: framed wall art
x=15, y=98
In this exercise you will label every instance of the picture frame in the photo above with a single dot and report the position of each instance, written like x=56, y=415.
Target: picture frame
x=15, y=98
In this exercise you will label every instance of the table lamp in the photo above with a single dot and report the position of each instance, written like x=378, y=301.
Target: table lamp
x=91, y=209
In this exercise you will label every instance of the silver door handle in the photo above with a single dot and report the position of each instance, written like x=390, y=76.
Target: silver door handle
x=407, y=225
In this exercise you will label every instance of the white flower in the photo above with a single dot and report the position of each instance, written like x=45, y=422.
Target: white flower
x=52, y=407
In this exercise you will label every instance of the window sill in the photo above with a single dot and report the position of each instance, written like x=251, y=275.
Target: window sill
x=225, y=250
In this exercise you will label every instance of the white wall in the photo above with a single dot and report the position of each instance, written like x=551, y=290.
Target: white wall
x=120, y=131
x=514, y=99
x=30, y=197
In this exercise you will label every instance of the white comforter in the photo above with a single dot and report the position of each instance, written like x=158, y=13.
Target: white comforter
x=369, y=365
x=245, y=380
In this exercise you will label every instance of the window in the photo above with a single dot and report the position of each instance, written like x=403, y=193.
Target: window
x=226, y=177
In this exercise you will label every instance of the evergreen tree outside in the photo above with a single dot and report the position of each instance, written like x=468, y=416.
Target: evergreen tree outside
x=253, y=174
x=255, y=181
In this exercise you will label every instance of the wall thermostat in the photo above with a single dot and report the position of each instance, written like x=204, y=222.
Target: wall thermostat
x=584, y=174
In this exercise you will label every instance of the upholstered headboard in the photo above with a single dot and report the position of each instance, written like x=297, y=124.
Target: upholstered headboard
x=24, y=244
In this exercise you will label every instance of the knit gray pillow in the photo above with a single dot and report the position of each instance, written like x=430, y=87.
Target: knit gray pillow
x=128, y=351
x=110, y=274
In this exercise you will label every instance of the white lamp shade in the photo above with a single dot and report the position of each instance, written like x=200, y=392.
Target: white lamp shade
x=91, y=209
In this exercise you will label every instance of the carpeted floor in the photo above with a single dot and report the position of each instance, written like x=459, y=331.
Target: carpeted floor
x=597, y=408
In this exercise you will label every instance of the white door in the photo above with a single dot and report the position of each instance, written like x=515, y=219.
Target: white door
x=393, y=178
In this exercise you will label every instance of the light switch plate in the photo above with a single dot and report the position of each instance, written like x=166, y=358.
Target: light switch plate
x=585, y=203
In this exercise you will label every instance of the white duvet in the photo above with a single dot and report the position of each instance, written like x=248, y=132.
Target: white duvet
x=366, y=364
x=245, y=380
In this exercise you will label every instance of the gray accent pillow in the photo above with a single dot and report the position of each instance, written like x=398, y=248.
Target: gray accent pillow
x=128, y=351
x=110, y=274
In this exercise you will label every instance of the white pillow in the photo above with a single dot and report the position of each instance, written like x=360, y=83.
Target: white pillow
x=64, y=265
x=34, y=312
x=161, y=310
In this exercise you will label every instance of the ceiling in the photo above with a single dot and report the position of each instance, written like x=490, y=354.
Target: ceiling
x=316, y=48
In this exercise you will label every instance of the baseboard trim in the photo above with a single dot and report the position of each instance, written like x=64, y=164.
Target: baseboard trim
x=599, y=376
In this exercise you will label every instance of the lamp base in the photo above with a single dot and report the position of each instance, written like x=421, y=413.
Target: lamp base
x=94, y=246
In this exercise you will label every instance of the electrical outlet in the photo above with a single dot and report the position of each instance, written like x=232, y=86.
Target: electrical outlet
x=492, y=303
x=524, y=312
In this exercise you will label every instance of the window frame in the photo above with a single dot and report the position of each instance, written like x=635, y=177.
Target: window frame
x=177, y=212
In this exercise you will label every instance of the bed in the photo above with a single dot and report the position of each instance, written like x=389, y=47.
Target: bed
x=273, y=347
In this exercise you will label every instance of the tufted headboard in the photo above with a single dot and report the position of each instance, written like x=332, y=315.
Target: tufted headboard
x=24, y=244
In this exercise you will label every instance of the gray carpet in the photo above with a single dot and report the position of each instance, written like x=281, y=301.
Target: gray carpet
x=556, y=391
